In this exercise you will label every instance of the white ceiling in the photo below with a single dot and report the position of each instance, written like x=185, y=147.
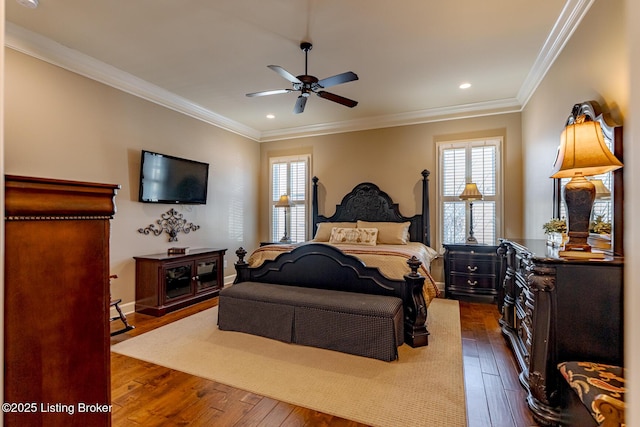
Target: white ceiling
x=202, y=56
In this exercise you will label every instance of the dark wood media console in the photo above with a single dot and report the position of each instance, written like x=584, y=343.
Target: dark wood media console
x=165, y=283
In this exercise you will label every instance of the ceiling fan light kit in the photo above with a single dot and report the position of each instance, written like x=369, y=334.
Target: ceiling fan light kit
x=307, y=84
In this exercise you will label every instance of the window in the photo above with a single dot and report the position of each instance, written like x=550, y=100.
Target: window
x=290, y=176
x=461, y=162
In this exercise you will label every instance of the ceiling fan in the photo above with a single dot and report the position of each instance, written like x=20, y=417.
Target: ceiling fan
x=307, y=84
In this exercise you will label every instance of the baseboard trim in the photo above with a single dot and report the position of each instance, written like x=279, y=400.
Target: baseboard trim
x=130, y=307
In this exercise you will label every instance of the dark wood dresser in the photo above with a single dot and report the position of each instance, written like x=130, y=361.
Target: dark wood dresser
x=56, y=317
x=557, y=310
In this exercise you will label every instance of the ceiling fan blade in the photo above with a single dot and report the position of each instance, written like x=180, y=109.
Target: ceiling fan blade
x=337, y=98
x=284, y=73
x=269, y=92
x=300, y=103
x=349, y=76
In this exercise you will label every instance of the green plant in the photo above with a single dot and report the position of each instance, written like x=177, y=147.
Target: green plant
x=600, y=226
x=555, y=225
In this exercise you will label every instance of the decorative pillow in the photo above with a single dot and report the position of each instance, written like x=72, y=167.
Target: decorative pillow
x=356, y=236
x=324, y=229
x=389, y=233
x=596, y=383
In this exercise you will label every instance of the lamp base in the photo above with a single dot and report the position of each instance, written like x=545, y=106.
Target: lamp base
x=472, y=240
x=579, y=194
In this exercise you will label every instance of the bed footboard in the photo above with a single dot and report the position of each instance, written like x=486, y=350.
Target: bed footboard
x=326, y=267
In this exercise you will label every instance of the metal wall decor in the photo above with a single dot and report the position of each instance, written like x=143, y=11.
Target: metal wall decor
x=172, y=223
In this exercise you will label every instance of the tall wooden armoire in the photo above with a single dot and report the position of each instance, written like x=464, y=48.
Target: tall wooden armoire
x=56, y=319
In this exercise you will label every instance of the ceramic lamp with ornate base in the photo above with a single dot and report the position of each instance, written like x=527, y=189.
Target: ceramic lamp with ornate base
x=582, y=152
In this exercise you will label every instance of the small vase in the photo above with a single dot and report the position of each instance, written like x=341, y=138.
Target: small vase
x=557, y=239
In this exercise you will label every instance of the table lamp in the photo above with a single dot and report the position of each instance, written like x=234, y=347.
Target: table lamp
x=471, y=193
x=602, y=192
x=284, y=202
x=582, y=152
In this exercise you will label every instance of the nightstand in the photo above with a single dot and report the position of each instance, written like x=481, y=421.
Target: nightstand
x=471, y=270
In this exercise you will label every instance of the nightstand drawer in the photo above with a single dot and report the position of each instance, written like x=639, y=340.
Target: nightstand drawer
x=472, y=265
x=467, y=282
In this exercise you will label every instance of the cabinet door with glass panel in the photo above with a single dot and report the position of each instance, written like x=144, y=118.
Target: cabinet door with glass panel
x=206, y=274
x=177, y=279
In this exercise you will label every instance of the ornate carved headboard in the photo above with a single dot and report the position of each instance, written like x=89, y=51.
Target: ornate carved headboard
x=367, y=202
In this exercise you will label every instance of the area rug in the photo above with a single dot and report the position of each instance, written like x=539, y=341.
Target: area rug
x=425, y=387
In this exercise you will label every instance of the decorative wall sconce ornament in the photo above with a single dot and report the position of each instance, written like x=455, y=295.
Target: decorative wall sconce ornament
x=172, y=223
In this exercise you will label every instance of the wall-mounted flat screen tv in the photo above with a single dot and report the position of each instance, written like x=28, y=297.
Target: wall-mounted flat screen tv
x=169, y=179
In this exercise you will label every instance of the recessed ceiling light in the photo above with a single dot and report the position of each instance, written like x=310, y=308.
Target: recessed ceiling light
x=465, y=86
x=31, y=4
x=270, y=116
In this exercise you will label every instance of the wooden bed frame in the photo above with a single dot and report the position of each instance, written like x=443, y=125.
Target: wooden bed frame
x=323, y=266
x=367, y=202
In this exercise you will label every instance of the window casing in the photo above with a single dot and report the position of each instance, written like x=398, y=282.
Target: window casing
x=289, y=175
x=460, y=162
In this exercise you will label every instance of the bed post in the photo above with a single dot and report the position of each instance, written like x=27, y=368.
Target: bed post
x=426, y=237
x=241, y=266
x=415, y=307
x=314, y=206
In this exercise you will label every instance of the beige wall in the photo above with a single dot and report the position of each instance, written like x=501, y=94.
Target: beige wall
x=592, y=66
x=61, y=125
x=601, y=62
x=393, y=158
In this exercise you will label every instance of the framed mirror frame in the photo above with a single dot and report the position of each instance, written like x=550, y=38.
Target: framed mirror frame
x=612, y=131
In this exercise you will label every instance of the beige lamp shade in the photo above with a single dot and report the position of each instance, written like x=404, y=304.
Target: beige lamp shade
x=602, y=192
x=582, y=151
x=283, y=202
x=471, y=192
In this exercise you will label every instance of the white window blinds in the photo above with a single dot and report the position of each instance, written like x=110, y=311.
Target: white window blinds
x=461, y=162
x=289, y=175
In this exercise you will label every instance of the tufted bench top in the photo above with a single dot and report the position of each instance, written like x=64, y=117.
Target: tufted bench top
x=364, y=304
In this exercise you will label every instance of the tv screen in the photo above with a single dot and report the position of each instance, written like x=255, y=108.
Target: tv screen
x=168, y=179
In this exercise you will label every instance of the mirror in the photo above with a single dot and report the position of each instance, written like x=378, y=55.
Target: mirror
x=608, y=208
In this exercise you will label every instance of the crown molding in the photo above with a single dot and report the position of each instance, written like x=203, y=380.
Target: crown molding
x=456, y=112
x=569, y=19
x=45, y=49
x=35, y=45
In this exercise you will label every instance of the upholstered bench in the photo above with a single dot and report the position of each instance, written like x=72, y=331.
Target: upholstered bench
x=600, y=388
x=361, y=324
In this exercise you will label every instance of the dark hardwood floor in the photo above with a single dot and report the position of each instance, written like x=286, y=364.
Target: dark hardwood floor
x=144, y=394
